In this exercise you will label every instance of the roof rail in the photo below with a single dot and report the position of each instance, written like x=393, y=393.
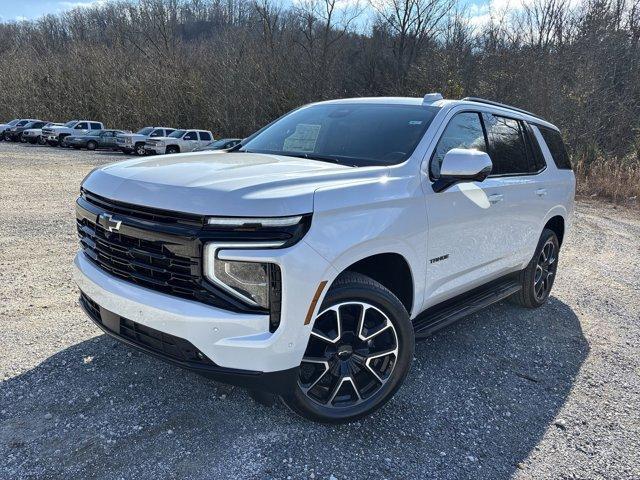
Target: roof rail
x=496, y=104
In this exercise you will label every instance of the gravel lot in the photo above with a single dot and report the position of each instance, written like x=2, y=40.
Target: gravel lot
x=552, y=393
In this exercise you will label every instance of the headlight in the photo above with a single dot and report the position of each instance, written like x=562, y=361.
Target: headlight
x=248, y=281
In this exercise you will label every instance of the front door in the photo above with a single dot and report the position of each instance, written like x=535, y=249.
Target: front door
x=467, y=229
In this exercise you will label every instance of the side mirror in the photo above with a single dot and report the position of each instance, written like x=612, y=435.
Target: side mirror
x=461, y=165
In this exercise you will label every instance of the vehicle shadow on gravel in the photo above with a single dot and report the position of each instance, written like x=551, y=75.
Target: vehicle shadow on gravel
x=480, y=396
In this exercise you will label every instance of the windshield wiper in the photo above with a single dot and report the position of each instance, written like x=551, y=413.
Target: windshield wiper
x=315, y=156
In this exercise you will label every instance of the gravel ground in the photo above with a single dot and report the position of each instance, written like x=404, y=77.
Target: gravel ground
x=551, y=393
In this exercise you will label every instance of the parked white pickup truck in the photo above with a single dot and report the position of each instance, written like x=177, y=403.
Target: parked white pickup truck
x=134, y=142
x=55, y=135
x=179, y=141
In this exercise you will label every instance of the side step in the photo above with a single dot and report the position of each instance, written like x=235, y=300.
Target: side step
x=439, y=316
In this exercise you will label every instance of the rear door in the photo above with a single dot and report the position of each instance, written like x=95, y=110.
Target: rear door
x=205, y=139
x=516, y=169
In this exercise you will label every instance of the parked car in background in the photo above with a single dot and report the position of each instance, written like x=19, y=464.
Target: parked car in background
x=134, y=142
x=222, y=144
x=18, y=122
x=178, y=142
x=55, y=135
x=34, y=135
x=94, y=139
x=14, y=134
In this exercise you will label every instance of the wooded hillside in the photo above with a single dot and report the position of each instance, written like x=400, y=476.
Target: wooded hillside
x=234, y=65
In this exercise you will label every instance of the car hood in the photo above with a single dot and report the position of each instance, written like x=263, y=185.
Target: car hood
x=164, y=139
x=226, y=184
x=132, y=136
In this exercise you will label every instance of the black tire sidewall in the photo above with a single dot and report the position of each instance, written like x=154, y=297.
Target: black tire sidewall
x=530, y=280
x=388, y=303
x=92, y=145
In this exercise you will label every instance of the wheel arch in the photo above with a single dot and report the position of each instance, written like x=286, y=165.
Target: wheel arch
x=390, y=269
x=556, y=224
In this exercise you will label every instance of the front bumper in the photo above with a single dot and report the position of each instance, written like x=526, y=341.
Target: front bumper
x=239, y=341
x=155, y=150
x=182, y=353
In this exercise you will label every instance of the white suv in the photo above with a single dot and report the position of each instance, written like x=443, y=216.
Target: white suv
x=307, y=261
x=179, y=141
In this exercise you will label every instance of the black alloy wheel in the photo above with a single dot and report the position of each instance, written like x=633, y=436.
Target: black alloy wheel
x=358, y=354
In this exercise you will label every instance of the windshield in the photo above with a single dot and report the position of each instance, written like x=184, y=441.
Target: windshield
x=13, y=122
x=356, y=134
x=178, y=134
x=218, y=143
x=22, y=123
x=71, y=123
x=145, y=131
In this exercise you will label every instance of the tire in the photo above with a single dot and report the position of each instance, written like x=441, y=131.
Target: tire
x=173, y=149
x=61, y=141
x=140, y=151
x=40, y=140
x=91, y=145
x=537, y=279
x=344, y=377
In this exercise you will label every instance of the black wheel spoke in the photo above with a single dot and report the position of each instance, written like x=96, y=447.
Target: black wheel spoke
x=545, y=270
x=350, y=356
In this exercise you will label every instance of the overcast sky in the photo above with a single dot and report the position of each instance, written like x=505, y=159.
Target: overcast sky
x=28, y=9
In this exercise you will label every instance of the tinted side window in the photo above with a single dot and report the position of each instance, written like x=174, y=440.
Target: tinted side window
x=169, y=131
x=205, y=136
x=158, y=133
x=506, y=145
x=463, y=131
x=537, y=162
x=95, y=126
x=81, y=126
x=191, y=136
x=553, y=139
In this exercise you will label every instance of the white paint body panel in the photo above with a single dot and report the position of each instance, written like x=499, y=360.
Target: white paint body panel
x=357, y=212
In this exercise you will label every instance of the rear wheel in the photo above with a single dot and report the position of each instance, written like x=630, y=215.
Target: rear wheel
x=537, y=279
x=358, y=355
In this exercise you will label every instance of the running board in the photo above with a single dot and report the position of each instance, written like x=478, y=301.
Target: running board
x=445, y=313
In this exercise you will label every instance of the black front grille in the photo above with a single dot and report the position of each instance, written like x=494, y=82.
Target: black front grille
x=158, y=342
x=163, y=257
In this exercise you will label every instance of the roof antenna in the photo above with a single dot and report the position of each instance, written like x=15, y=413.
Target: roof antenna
x=431, y=97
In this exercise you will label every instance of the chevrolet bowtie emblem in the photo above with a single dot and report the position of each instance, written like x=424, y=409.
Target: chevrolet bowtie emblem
x=109, y=223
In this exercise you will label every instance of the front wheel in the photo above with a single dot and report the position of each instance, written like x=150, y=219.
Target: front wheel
x=359, y=353
x=537, y=279
x=91, y=145
x=140, y=151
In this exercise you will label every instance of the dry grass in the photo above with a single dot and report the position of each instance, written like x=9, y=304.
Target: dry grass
x=612, y=179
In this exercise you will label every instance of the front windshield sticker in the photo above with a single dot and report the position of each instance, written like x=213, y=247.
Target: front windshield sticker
x=303, y=139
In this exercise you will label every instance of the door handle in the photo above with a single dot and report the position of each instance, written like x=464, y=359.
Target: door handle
x=495, y=198
x=541, y=192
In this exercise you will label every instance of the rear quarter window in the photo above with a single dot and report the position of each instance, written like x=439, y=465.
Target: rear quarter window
x=556, y=146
